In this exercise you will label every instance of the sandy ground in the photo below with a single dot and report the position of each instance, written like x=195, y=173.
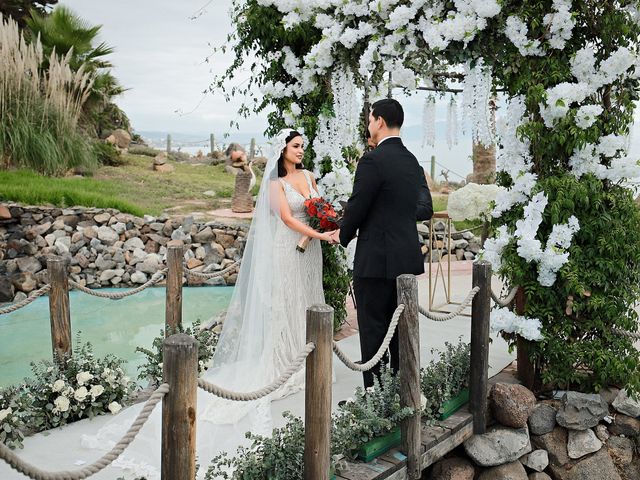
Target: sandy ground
x=60, y=449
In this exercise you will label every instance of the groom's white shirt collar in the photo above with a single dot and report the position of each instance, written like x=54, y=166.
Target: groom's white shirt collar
x=387, y=138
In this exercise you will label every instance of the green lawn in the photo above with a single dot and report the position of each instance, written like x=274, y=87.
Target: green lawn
x=132, y=187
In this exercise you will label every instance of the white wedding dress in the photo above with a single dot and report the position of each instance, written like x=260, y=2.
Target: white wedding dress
x=263, y=332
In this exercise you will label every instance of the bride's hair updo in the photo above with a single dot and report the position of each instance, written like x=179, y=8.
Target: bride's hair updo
x=281, y=170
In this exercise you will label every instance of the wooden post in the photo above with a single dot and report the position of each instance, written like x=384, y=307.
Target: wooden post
x=480, y=317
x=212, y=142
x=252, y=149
x=168, y=143
x=317, y=406
x=433, y=168
x=59, y=309
x=527, y=372
x=180, y=371
x=173, y=308
x=409, y=346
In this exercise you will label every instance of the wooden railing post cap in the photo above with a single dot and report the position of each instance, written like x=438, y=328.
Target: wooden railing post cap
x=320, y=308
x=180, y=339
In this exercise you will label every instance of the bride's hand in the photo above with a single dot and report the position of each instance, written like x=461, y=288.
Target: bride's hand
x=328, y=237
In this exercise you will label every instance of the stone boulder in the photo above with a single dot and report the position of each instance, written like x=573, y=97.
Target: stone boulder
x=537, y=460
x=7, y=289
x=555, y=443
x=626, y=405
x=511, y=404
x=5, y=214
x=621, y=450
x=498, y=446
x=580, y=411
x=165, y=168
x=107, y=235
x=581, y=443
x=122, y=139
x=24, y=282
x=509, y=471
x=542, y=419
x=597, y=466
x=453, y=469
x=539, y=476
x=29, y=264
x=625, y=425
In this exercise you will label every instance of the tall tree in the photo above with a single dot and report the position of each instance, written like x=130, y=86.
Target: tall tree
x=20, y=10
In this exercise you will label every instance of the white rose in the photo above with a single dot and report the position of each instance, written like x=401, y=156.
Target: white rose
x=80, y=394
x=61, y=403
x=96, y=391
x=5, y=413
x=83, y=377
x=114, y=407
x=423, y=401
x=125, y=381
x=57, y=386
x=50, y=369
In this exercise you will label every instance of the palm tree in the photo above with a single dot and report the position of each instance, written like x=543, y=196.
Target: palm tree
x=64, y=33
x=20, y=10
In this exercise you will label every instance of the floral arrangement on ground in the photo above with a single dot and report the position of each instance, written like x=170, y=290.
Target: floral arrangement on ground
x=82, y=386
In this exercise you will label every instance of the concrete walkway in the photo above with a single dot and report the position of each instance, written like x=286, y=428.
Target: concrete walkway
x=59, y=449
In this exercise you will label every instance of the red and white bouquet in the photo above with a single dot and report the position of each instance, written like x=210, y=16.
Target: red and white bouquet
x=322, y=217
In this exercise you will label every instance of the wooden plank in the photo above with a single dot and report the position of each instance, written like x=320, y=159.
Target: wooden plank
x=376, y=470
x=60, y=313
x=456, y=421
x=432, y=434
x=394, y=456
x=444, y=447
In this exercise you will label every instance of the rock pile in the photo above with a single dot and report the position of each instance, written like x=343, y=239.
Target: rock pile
x=464, y=245
x=106, y=248
x=580, y=436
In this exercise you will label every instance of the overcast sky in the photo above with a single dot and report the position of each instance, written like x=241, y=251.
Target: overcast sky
x=161, y=52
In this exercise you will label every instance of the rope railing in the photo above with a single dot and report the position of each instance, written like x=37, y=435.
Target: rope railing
x=620, y=331
x=26, y=301
x=36, y=473
x=506, y=301
x=155, y=278
x=263, y=392
x=443, y=317
x=365, y=367
x=217, y=274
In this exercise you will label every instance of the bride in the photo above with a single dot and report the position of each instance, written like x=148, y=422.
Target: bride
x=264, y=329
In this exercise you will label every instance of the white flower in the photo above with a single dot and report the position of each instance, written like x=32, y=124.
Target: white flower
x=504, y=320
x=114, y=407
x=58, y=385
x=83, y=377
x=61, y=403
x=423, y=401
x=80, y=394
x=125, y=381
x=586, y=115
x=471, y=201
x=50, y=369
x=5, y=413
x=96, y=391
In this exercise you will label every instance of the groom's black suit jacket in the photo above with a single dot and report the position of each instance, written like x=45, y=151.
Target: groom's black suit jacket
x=390, y=194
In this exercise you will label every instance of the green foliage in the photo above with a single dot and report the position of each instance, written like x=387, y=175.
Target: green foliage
x=281, y=456
x=371, y=413
x=335, y=282
x=82, y=386
x=602, y=279
x=143, y=150
x=20, y=10
x=26, y=186
x=108, y=154
x=444, y=378
x=151, y=369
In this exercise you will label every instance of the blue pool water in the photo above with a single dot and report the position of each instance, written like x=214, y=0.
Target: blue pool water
x=116, y=327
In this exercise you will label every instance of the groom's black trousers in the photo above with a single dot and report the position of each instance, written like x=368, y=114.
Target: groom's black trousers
x=376, y=299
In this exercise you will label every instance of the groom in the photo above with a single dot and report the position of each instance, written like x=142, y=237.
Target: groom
x=390, y=194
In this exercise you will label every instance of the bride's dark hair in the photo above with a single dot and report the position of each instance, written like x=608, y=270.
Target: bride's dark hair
x=281, y=170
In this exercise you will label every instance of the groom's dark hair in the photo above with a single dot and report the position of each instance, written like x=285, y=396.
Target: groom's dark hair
x=390, y=110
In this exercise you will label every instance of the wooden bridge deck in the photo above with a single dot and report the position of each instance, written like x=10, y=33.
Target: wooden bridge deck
x=437, y=441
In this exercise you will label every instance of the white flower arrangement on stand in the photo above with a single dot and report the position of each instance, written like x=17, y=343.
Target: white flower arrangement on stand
x=472, y=202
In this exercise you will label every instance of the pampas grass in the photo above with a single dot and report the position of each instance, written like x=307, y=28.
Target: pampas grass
x=39, y=109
